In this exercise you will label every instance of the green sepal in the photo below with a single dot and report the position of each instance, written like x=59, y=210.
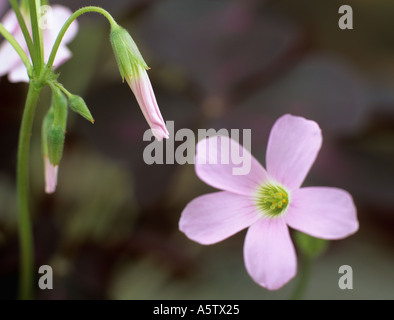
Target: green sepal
x=78, y=105
x=60, y=106
x=127, y=55
x=310, y=246
x=46, y=124
x=55, y=140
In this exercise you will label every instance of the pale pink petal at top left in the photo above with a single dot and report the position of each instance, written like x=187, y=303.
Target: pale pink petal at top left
x=217, y=164
x=18, y=74
x=216, y=216
x=293, y=146
x=59, y=16
x=9, y=59
x=322, y=212
x=269, y=253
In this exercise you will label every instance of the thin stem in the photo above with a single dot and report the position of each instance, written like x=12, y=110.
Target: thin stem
x=67, y=24
x=63, y=89
x=303, y=278
x=23, y=27
x=40, y=32
x=25, y=59
x=36, y=36
x=25, y=227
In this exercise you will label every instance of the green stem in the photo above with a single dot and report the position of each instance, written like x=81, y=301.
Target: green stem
x=303, y=278
x=25, y=31
x=41, y=36
x=25, y=59
x=36, y=36
x=63, y=89
x=67, y=24
x=25, y=227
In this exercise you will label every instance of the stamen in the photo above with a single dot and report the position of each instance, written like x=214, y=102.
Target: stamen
x=272, y=199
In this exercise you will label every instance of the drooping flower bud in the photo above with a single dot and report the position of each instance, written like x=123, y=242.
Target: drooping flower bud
x=46, y=124
x=60, y=103
x=50, y=169
x=55, y=140
x=53, y=136
x=133, y=68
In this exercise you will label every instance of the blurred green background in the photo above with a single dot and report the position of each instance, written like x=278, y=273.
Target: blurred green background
x=111, y=229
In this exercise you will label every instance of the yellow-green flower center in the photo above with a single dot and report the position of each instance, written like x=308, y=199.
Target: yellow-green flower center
x=272, y=199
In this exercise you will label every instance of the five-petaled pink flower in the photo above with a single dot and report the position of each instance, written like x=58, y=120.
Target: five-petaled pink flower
x=11, y=64
x=268, y=201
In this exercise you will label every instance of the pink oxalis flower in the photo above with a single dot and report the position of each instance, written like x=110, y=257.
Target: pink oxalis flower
x=11, y=64
x=268, y=201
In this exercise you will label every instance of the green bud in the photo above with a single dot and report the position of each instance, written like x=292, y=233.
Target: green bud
x=55, y=144
x=46, y=124
x=126, y=52
x=78, y=105
x=60, y=102
x=310, y=246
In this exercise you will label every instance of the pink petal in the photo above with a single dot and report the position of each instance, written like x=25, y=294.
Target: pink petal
x=10, y=22
x=9, y=59
x=216, y=216
x=143, y=92
x=58, y=17
x=50, y=176
x=269, y=253
x=293, y=145
x=216, y=166
x=18, y=74
x=327, y=213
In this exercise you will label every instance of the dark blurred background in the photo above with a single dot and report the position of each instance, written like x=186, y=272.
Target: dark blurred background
x=111, y=229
